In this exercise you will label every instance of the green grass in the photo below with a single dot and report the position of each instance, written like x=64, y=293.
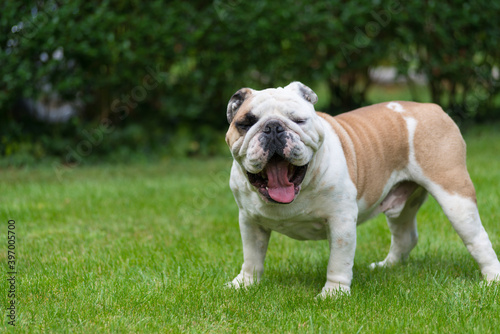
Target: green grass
x=148, y=247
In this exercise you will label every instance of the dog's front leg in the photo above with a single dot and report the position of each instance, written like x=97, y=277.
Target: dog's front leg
x=342, y=239
x=255, y=240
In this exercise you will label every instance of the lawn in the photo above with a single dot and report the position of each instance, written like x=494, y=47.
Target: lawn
x=148, y=247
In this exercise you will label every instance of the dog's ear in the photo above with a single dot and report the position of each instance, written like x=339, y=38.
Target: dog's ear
x=307, y=93
x=236, y=101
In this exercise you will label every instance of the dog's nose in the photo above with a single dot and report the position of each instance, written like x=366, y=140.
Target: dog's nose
x=273, y=127
x=274, y=137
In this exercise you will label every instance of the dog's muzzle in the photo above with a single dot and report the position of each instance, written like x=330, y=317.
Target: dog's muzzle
x=279, y=181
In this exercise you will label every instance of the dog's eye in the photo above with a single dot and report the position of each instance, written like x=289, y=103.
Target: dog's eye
x=300, y=121
x=247, y=122
x=244, y=125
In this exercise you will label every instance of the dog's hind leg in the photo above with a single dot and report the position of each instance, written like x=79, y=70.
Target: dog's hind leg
x=401, y=207
x=438, y=162
x=463, y=214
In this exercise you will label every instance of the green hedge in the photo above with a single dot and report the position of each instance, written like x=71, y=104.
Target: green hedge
x=151, y=73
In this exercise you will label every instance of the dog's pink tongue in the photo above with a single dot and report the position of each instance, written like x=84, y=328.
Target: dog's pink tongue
x=280, y=189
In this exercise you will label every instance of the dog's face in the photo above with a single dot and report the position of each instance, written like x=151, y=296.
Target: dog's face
x=273, y=135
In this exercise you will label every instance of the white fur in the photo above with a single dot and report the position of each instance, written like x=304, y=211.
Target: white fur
x=395, y=106
x=464, y=216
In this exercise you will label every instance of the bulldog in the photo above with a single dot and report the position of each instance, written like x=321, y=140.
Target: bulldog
x=312, y=176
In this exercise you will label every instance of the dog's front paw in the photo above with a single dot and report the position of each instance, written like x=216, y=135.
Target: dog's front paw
x=240, y=281
x=334, y=291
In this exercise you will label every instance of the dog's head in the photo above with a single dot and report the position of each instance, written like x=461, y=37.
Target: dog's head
x=273, y=135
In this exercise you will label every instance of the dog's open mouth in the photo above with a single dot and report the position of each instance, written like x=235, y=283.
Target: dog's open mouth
x=279, y=181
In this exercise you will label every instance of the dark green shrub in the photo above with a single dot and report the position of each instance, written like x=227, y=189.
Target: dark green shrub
x=455, y=44
x=155, y=76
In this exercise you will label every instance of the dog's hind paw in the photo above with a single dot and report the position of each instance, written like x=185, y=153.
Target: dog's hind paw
x=380, y=264
x=491, y=275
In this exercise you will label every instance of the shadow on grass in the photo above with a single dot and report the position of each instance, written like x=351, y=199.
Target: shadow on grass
x=428, y=270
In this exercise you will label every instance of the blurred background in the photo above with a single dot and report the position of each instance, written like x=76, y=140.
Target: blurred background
x=89, y=81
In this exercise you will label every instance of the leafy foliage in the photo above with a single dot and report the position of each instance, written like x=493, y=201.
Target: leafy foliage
x=164, y=71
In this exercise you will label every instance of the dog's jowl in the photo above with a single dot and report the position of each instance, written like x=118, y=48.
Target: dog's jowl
x=311, y=176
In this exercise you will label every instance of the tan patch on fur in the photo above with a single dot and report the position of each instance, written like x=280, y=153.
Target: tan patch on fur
x=441, y=151
x=381, y=135
x=232, y=134
x=347, y=145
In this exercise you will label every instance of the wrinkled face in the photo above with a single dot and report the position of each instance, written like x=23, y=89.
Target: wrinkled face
x=273, y=135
